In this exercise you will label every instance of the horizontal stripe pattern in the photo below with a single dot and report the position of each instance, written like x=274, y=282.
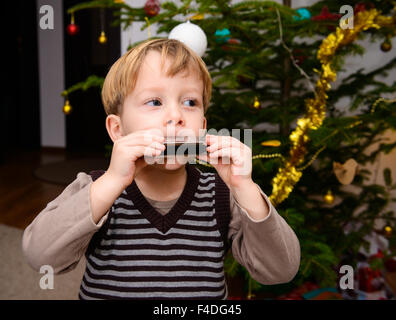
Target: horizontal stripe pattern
x=135, y=260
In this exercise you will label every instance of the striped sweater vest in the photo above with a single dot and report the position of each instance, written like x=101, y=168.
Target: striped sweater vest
x=140, y=254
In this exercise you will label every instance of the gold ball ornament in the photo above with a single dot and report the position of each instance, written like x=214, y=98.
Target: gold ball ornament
x=256, y=103
x=67, y=108
x=386, y=45
x=102, y=38
x=329, y=198
x=388, y=230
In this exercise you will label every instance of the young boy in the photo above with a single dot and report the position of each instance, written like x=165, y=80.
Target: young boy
x=161, y=230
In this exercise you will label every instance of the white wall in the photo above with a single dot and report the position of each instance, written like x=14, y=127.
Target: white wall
x=51, y=78
x=133, y=33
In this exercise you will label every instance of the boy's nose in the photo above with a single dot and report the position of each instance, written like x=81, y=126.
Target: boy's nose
x=177, y=122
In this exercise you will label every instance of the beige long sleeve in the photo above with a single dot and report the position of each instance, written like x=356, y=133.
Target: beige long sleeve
x=269, y=249
x=60, y=234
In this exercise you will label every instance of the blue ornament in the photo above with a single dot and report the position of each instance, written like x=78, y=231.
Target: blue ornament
x=304, y=14
x=222, y=36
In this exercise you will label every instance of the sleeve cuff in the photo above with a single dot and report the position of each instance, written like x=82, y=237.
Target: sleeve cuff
x=92, y=225
x=266, y=200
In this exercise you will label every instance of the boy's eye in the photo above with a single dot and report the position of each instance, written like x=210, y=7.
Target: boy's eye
x=156, y=102
x=193, y=104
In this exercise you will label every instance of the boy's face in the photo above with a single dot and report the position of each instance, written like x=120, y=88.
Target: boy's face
x=172, y=105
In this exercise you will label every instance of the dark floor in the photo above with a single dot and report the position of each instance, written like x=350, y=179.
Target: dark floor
x=22, y=195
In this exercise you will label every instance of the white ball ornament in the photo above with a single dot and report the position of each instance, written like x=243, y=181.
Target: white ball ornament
x=191, y=35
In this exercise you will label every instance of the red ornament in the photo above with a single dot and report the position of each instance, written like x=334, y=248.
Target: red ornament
x=369, y=279
x=72, y=29
x=361, y=7
x=378, y=255
x=152, y=7
x=326, y=15
x=233, y=43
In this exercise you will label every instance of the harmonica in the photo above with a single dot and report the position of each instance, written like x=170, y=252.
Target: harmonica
x=183, y=146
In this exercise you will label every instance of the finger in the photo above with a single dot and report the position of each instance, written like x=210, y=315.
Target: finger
x=235, y=154
x=224, y=142
x=142, y=151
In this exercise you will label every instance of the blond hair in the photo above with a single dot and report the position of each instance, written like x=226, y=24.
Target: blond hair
x=121, y=79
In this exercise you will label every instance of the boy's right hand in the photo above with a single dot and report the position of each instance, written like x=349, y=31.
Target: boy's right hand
x=127, y=157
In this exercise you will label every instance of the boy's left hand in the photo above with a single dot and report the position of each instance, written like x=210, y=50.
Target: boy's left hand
x=231, y=158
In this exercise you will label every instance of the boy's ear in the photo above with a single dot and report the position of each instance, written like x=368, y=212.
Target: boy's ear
x=114, y=127
x=204, y=123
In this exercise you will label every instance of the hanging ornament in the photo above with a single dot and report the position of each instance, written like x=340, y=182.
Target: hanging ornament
x=231, y=45
x=152, y=7
x=256, y=103
x=388, y=231
x=359, y=7
x=329, y=198
x=386, y=45
x=148, y=27
x=102, y=38
x=304, y=14
x=191, y=35
x=72, y=29
x=223, y=35
x=67, y=108
x=345, y=172
x=271, y=143
x=326, y=15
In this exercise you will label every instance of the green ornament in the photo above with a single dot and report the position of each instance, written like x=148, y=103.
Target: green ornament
x=222, y=36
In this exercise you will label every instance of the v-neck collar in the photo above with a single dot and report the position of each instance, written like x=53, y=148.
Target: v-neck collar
x=165, y=222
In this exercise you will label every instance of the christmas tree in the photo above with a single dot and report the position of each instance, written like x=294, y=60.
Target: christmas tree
x=275, y=65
